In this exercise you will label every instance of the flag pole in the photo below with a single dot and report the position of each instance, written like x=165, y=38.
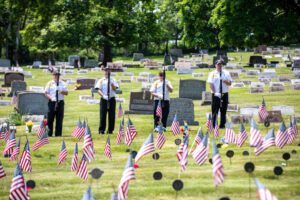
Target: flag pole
x=194, y=141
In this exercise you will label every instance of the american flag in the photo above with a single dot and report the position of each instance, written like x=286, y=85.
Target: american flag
x=242, y=136
x=18, y=189
x=230, y=136
x=262, y=192
x=41, y=130
x=267, y=142
x=127, y=176
x=41, y=142
x=2, y=172
x=216, y=129
x=160, y=139
x=107, y=149
x=295, y=126
x=79, y=130
x=175, y=126
x=114, y=196
x=263, y=113
x=147, y=147
x=13, y=99
x=282, y=136
x=10, y=144
x=16, y=152
x=130, y=133
x=25, y=160
x=79, y=64
x=82, y=169
x=49, y=63
x=2, y=133
x=182, y=153
x=7, y=132
x=17, y=64
x=74, y=165
x=88, y=145
x=218, y=170
x=120, y=111
x=159, y=110
x=209, y=124
x=255, y=136
x=121, y=132
x=199, y=137
x=291, y=133
x=88, y=195
x=63, y=153
x=200, y=154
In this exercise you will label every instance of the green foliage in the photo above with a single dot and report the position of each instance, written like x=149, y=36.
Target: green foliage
x=15, y=119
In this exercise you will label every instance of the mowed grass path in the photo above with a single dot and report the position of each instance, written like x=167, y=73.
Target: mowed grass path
x=58, y=182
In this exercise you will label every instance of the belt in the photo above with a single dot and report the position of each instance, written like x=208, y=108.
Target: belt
x=55, y=101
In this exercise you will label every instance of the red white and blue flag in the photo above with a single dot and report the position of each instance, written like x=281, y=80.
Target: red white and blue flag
x=18, y=189
x=7, y=132
x=218, y=170
x=216, y=129
x=40, y=142
x=209, y=124
x=16, y=152
x=282, y=136
x=120, y=111
x=41, y=130
x=295, y=125
x=267, y=142
x=147, y=148
x=263, y=113
x=127, y=176
x=107, y=149
x=199, y=137
x=63, y=153
x=25, y=160
x=2, y=133
x=82, y=171
x=74, y=165
x=182, y=153
x=200, y=154
x=255, y=136
x=130, y=132
x=160, y=139
x=291, y=133
x=230, y=136
x=175, y=126
x=2, y=172
x=88, y=195
x=79, y=130
x=10, y=144
x=88, y=145
x=121, y=132
x=242, y=135
x=159, y=110
x=262, y=192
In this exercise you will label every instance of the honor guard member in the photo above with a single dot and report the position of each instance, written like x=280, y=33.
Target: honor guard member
x=219, y=81
x=157, y=91
x=107, y=102
x=55, y=88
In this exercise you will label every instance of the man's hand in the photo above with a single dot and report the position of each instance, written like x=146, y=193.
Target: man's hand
x=59, y=89
x=53, y=99
x=105, y=97
x=160, y=96
x=218, y=95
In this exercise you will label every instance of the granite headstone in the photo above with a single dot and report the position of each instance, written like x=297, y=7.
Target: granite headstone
x=191, y=89
x=32, y=103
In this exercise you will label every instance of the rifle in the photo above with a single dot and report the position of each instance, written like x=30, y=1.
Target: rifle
x=164, y=84
x=108, y=90
x=221, y=89
x=57, y=84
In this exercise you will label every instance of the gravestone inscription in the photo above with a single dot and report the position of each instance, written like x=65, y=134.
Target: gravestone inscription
x=86, y=83
x=140, y=103
x=17, y=86
x=9, y=77
x=32, y=103
x=191, y=89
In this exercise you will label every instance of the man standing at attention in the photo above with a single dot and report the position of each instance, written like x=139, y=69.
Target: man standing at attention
x=107, y=87
x=55, y=88
x=219, y=81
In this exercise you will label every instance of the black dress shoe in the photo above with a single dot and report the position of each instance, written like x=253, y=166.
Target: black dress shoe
x=101, y=132
x=222, y=127
x=109, y=132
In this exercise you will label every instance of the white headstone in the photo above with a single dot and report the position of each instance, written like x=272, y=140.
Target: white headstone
x=285, y=110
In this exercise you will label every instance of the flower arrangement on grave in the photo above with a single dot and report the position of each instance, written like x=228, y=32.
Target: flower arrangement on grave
x=29, y=125
x=77, y=86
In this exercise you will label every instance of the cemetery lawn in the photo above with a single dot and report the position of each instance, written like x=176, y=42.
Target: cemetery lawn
x=58, y=182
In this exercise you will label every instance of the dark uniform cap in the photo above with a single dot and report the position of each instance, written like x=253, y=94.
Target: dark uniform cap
x=55, y=72
x=220, y=61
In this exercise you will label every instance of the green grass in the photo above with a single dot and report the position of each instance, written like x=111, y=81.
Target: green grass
x=58, y=182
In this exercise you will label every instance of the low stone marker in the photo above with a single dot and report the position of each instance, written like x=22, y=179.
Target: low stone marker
x=206, y=98
x=285, y=110
x=276, y=88
x=4, y=103
x=252, y=72
x=36, y=89
x=83, y=71
x=34, y=118
x=273, y=117
x=90, y=63
x=249, y=110
x=265, y=80
x=233, y=108
x=5, y=63
x=256, y=90
x=127, y=74
x=184, y=71
x=137, y=56
x=125, y=81
x=285, y=79
x=197, y=75
x=238, y=119
x=267, y=75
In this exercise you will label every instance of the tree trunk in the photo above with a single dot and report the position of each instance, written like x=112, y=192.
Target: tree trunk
x=140, y=47
x=7, y=42
x=126, y=51
x=167, y=47
x=107, y=53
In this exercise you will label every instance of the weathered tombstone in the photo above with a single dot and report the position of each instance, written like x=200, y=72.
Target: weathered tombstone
x=276, y=88
x=5, y=63
x=296, y=74
x=127, y=74
x=90, y=63
x=36, y=89
x=67, y=71
x=197, y=75
x=36, y=64
x=184, y=71
x=285, y=110
x=257, y=90
x=250, y=110
x=267, y=75
x=33, y=118
x=137, y=56
x=100, y=57
x=234, y=74
x=237, y=84
x=141, y=79
x=182, y=65
x=9, y=77
x=276, y=84
x=285, y=79
x=296, y=86
x=85, y=97
x=140, y=103
x=176, y=52
x=17, y=86
x=97, y=69
x=256, y=60
x=125, y=81
x=238, y=119
x=32, y=103
x=184, y=108
x=273, y=117
x=265, y=80
x=4, y=103
x=191, y=89
x=72, y=59
x=222, y=53
x=170, y=67
x=83, y=71
x=252, y=72
x=257, y=85
x=233, y=108
x=206, y=98
x=86, y=83
x=246, y=82
x=27, y=74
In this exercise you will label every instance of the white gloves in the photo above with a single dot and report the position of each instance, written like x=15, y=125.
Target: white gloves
x=105, y=97
x=218, y=95
x=53, y=99
x=160, y=96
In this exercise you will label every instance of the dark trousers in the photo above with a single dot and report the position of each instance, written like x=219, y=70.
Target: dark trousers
x=58, y=114
x=111, y=115
x=215, y=106
x=165, y=112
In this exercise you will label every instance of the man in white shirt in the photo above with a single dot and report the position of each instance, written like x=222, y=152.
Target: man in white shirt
x=219, y=81
x=107, y=102
x=157, y=92
x=55, y=108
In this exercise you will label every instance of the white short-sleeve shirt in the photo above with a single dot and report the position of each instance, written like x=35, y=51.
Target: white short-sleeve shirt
x=214, y=78
x=51, y=88
x=157, y=87
x=102, y=86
